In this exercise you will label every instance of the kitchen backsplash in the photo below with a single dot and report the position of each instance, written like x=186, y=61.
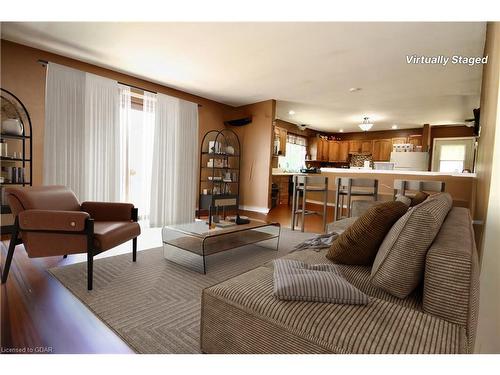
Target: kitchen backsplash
x=358, y=160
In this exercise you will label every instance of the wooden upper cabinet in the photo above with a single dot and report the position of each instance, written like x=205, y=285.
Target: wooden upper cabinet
x=415, y=140
x=382, y=149
x=333, y=150
x=367, y=147
x=343, y=151
x=399, y=140
x=282, y=133
x=326, y=149
x=322, y=153
x=312, y=145
x=319, y=152
x=355, y=146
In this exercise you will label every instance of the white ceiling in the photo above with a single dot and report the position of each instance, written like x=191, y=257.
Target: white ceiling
x=307, y=67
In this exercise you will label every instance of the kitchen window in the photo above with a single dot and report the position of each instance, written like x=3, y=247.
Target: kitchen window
x=295, y=155
x=453, y=154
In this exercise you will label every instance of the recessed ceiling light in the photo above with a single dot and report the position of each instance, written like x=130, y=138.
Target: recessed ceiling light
x=394, y=126
x=354, y=89
x=341, y=130
x=291, y=112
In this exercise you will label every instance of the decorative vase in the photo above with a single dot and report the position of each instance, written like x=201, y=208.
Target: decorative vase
x=12, y=126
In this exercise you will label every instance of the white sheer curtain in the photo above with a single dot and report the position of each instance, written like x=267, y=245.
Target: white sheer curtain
x=64, y=161
x=125, y=123
x=175, y=162
x=144, y=171
x=82, y=133
x=102, y=138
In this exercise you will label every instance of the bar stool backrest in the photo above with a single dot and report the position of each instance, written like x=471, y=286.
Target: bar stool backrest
x=312, y=181
x=402, y=186
x=346, y=182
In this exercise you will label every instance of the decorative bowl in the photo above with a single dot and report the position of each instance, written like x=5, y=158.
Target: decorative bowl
x=12, y=126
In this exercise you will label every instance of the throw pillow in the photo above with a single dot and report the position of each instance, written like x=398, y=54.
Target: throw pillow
x=359, y=243
x=418, y=198
x=399, y=265
x=298, y=281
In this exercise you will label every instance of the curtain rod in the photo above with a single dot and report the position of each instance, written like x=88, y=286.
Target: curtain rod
x=45, y=63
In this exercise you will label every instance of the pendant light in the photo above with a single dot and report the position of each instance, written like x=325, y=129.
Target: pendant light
x=366, y=125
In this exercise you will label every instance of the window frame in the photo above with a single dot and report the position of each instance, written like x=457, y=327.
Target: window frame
x=470, y=152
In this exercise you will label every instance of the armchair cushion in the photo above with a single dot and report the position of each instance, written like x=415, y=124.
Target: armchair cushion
x=108, y=234
x=52, y=220
x=108, y=211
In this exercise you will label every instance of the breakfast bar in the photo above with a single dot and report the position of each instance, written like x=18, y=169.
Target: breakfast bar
x=461, y=186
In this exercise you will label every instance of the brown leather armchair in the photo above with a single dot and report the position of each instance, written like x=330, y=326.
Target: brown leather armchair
x=50, y=221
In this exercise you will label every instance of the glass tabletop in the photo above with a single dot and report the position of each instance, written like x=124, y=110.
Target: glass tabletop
x=199, y=228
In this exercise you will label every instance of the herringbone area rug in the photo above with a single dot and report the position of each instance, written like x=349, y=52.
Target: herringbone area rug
x=154, y=305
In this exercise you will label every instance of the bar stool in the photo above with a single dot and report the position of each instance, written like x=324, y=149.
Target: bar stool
x=403, y=186
x=349, y=187
x=302, y=185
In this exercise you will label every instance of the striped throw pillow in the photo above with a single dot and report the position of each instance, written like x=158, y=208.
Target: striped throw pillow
x=400, y=262
x=359, y=243
x=298, y=281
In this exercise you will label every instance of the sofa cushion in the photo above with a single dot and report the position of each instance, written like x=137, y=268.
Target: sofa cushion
x=451, y=282
x=359, y=243
x=399, y=265
x=108, y=234
x=241, y=315
x=359, y=276
x=299, y=281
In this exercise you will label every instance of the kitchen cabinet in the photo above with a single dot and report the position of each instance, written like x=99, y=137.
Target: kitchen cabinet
x=382, y=149
x=367, y=147
x=280, y=133
x=354, y=146
x=399, y=140
x=415, y=140
x=343, y=151
x=322, y=150
x=333, y=150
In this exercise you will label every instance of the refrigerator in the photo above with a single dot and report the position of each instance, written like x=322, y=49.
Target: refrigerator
x=410, y=161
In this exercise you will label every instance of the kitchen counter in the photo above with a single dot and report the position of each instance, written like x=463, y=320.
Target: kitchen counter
x=395, y=172
x=461, y=186
x=288, y=174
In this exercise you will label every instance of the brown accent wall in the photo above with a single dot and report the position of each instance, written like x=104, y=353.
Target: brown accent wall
x=256, y=148
x=488, y=122
x=23, y=76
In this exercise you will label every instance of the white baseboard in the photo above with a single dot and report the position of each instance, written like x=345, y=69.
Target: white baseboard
x=261, y=210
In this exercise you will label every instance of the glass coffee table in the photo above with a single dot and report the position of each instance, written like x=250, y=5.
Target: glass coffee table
x=189, y=244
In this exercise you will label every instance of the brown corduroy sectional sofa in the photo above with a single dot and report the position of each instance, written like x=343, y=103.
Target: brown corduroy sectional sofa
x=241, y=315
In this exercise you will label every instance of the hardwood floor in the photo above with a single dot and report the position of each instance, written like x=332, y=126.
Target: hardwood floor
x=38, y=314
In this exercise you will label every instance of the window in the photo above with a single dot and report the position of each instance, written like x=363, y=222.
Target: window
x=295, y=154
x=453, y=155
x=137, y=123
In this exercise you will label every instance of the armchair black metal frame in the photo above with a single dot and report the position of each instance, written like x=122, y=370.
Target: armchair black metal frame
x=88, y=232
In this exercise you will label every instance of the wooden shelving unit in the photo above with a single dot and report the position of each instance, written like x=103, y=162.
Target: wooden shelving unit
x=12, y=107
x=219, y=171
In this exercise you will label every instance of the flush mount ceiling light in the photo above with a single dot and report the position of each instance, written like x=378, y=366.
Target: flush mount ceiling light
x=341, y=130
x=291, y=112
x=354, y=89
x=366, y=125
x=394, y=126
